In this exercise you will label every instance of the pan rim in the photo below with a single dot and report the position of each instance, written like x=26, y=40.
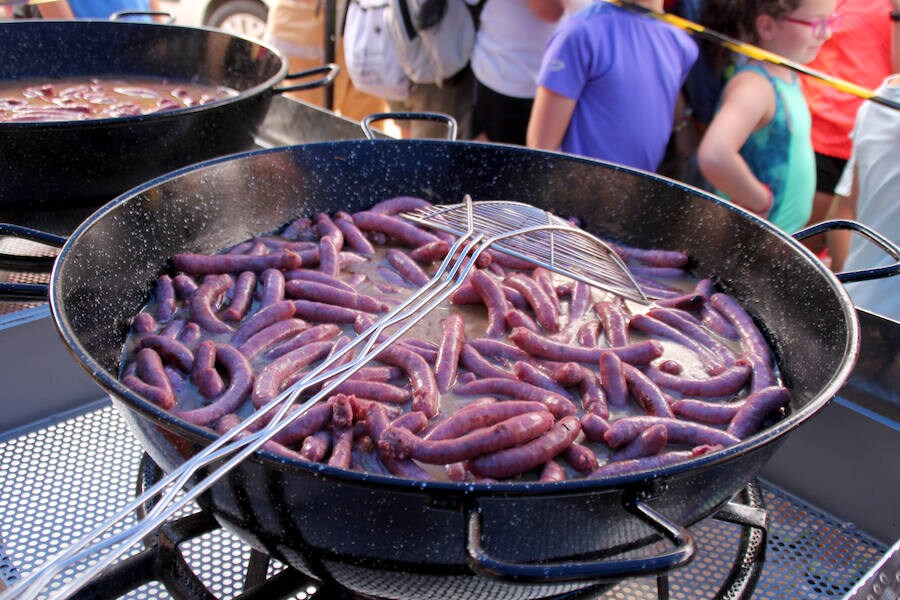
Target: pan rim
x=576, y=486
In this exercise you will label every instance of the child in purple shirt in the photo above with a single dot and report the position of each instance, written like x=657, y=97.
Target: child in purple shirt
x=608, y=85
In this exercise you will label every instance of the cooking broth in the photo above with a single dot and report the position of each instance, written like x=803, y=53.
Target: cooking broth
x=368, y=277
x=77, y=99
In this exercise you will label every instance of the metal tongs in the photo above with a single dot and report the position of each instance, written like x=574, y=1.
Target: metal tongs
x=480, y=226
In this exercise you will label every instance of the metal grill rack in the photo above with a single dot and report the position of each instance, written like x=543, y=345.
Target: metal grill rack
x=59, y=480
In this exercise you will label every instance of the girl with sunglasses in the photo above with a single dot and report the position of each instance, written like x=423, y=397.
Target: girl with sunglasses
x=757, y=150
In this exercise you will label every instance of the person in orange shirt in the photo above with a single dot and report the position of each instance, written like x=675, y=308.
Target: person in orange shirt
x=864, y=50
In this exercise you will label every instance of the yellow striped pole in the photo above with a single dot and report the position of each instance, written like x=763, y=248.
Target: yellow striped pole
x=756, y=52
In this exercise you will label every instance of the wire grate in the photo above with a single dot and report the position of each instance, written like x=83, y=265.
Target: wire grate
x=59, y=481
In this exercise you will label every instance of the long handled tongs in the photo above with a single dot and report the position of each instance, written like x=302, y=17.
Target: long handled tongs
x=240, y=442
x=755, y=52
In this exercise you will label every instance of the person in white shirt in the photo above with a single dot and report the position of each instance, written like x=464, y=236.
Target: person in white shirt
x=869, y=192
x=508, y=49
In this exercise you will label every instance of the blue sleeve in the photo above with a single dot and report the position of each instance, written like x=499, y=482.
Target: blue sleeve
x=568, y=59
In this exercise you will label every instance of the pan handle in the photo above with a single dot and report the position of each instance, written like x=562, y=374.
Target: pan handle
x=410, y=116
x=31, y=264
x=873, y=236
x=123, y=15
x=330, y=71
x=611, y=570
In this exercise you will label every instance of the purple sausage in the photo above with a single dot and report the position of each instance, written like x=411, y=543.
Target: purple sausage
x=711, y=362
x=512, y=432
x=320, y=292
x=316, y=446
x=646, y=393
x=205, y=264
x=395, y=227
x=654, y=257
x=374, y=390
x=588, y=335
x=313, y=420
x=559, y=405
x=763, y=373
x=491, y=293
x=552, y=471
x=262, y=319
x=614, y=321
x=316, y=333
x=407, y=267
x=529, y=373
x=271, y=335
x=209, y=383
x=377, y=423
x=381, y=374
x=452, y=339
x=321, y=312
x=711, y=413
x=143, y=323
x=545, y=279
x=540, y=347
x=184, y=286
x=241, y=297
x=499, y=350
x=517, y=318
x=329, y=263
x=581, y=458
x=230, y=421
x=325, y=227
x=483, y=412
x=165, y=298
x=162, y=397
x=756, y=407
x=543, y=306
x=612, y=378
x=430, y=253
x=726, y=383
x=414, y=421
x=170, y=350
x=203, y=300
x=650, y=441
x=657, y=272
x=399, y=204
x=466, y=294
x=190, y=335
x=472, y=360
x=150, y=368
x=581, y=301
x=272, y=281
x=353, y=237
x=173, y=329
x=318, y=277
x=341, y=448
x=690, y=326
x=753, y=340
x=240, y=381
x=424, y=385
x=513, y=461
x=204, y=358
x=299, y=228
x=622, y=431
x=657, y=461
x=268, y=381
x=594, y=427
x=690, y=301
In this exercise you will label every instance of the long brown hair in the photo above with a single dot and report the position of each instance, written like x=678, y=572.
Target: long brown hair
x=737, y=18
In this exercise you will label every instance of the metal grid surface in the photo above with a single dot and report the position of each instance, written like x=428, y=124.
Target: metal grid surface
x=58, y=481
x=15, y=246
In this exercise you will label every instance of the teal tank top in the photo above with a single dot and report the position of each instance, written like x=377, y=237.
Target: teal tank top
x=781, y=154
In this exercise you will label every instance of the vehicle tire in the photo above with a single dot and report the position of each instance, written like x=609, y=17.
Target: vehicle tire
x=244, y=17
